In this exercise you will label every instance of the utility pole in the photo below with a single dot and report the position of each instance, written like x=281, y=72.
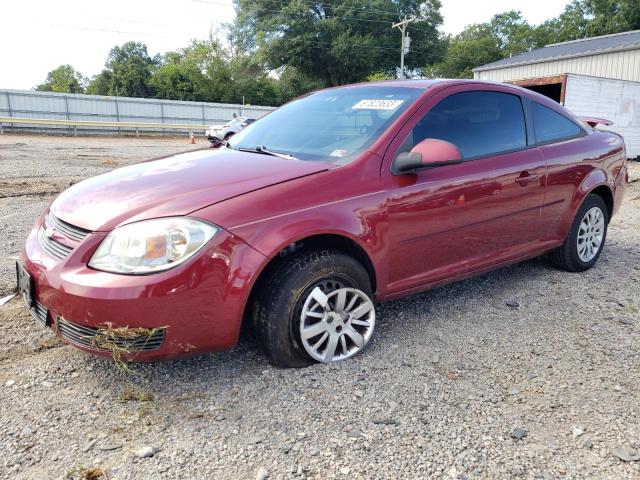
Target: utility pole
x=404, y=44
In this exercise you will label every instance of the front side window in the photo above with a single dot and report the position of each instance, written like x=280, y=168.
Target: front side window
x=479, y=123
x=550, y=126
x=333, y=125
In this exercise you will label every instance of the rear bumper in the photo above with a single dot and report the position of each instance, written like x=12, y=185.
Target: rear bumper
x=619, y=187
x=198, y=306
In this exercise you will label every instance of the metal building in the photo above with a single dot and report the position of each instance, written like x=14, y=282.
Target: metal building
x=610, y=56
x=592, y=77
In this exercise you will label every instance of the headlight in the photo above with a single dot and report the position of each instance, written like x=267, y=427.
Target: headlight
x=151, y=245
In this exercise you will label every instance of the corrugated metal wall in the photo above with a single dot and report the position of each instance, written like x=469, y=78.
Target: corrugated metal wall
x=623, y=65
x=66, y=106
x=615, y=100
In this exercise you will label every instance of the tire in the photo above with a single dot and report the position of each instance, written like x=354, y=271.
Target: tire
x=277, y=311
x=568, y=257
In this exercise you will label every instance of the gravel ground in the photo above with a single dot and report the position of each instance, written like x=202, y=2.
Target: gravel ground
x=526, y=372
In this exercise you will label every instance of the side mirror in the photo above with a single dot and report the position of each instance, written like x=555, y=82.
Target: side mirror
x=429, y=153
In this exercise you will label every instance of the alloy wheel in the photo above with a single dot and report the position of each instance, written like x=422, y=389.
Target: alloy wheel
x=590, y=234
x=336, y=325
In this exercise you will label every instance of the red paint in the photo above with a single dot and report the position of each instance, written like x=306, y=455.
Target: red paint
x=171, y=186
x=419, y=230
x=436, y=151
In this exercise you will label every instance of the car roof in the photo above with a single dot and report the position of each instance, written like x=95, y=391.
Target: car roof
x=424, y=84
x=427, y=84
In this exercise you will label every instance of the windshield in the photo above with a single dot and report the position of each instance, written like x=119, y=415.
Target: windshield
x=331, y=125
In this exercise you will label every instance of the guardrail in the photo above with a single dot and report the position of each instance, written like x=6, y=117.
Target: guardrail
x=137, y=126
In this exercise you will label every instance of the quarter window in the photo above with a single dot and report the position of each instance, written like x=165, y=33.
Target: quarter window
x=479, y=123
x=550, y=126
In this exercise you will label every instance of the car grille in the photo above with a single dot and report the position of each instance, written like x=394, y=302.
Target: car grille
x=84, y=336
x=40, y=313
x=75, y=233
x=54, y=248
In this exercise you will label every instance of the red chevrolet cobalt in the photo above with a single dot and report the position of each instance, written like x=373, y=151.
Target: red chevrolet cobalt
x=302, y=221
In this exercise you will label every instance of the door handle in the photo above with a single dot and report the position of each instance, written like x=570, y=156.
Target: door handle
x=524, y=180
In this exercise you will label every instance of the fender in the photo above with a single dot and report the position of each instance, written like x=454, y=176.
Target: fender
x=594, y=179
x=338, y=224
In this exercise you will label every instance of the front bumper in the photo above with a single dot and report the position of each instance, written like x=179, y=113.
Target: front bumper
x=198, y=306
x=213, y=136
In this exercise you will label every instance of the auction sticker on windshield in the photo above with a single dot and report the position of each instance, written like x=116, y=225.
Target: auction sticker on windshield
x=377, y=104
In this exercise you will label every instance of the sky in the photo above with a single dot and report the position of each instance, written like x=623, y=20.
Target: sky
x=39, y=35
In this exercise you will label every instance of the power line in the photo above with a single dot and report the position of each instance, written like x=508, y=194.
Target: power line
x=126, y=20
x=371, y=47
x=354, y=9
x=105, y=30
x=312, y=3
x=386, y=22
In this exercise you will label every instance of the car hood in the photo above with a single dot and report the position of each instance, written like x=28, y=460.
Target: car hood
x=175, y=185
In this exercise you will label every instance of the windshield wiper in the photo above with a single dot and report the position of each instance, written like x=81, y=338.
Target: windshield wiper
x=265, y=151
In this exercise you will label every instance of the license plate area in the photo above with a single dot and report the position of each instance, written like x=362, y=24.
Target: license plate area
x=26, y=289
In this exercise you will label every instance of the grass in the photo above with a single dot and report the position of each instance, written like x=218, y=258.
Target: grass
x=135, y=394
x=114, y=340
x=49, y=343
x=110, y=338
x=190, y=396
x=82, y=473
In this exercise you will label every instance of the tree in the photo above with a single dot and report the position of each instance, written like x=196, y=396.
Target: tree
x=63, y=79
x=338, y=42
x=509, y=34
x=250, y=82
x=588, y=18
x=130, y=68
x=99, y=85
x=292, y=83
x=504, y=35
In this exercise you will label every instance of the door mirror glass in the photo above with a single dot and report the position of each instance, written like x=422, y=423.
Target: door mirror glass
x=428, y=153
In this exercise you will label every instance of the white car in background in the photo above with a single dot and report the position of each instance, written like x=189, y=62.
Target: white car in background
x=219, y=133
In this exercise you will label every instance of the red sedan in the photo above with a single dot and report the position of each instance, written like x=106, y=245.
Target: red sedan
x=342, y=198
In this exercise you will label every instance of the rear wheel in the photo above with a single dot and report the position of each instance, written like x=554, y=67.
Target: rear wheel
x=586, y=239
x=314, y=307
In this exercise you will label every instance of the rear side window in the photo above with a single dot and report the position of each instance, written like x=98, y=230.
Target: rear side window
x=478, y=123
x=550, y=126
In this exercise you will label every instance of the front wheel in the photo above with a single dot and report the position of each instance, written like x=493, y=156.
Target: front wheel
x=585, y=241
x=314, y=307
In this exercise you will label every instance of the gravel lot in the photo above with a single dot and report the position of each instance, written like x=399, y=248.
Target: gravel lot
x=525, y=372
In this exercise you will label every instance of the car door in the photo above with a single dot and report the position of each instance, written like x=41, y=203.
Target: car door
x=455, y=219
x=561, y=142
